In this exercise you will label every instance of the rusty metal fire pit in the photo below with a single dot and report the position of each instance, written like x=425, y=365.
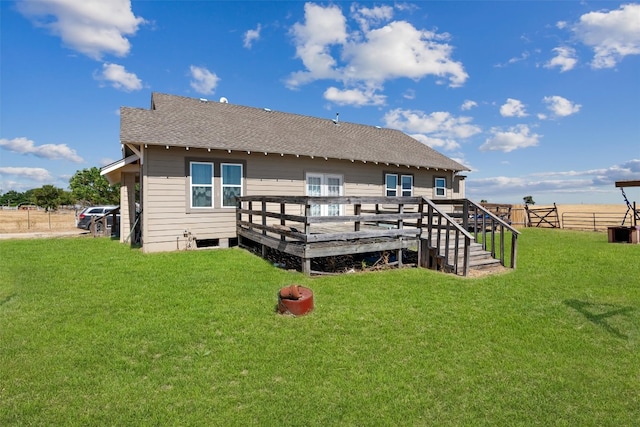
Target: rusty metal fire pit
x=295, y=300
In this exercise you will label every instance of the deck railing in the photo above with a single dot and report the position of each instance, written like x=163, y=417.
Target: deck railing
x=485, y=227
x=364, y=224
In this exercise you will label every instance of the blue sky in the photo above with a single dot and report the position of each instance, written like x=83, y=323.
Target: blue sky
x=537, y=98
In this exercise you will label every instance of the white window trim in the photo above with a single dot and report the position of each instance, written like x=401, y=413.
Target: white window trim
x=402, y=189
x=398, y=189
x=436, y=187
x=191, y=185
x=223, y=185
x=386, y=188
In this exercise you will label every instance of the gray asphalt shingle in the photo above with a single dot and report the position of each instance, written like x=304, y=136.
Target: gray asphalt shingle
x=191, y=122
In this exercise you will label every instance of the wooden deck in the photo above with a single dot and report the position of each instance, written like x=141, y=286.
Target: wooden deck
x=365, y=225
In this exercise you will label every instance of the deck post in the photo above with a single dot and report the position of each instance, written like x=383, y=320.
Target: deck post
x=357, y=210
x=423, y=253
x=307, y=214
x=502, y=244
x=419, y=224
x=264, y=224
x=465, y=214
x=400, y=226
x=282, y=220
x=467, y=255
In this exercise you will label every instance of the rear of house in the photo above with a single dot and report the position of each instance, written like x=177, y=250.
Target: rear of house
x=192, y=157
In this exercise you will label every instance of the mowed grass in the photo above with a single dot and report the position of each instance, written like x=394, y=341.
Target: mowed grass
x=96, y=333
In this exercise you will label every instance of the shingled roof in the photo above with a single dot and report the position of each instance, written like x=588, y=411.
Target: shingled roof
x=197, y=123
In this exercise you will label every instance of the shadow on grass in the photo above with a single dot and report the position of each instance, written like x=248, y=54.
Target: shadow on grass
x=599, y=313
x=7, y=299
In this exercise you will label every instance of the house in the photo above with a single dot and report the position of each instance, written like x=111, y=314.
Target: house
x=192, y=157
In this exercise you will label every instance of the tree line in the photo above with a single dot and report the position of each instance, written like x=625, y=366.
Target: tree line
x=87, y=188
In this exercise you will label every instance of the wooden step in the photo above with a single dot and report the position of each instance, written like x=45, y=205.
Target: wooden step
x=479, y=259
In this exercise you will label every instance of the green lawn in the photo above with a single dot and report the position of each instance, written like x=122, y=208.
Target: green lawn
x=96, y=333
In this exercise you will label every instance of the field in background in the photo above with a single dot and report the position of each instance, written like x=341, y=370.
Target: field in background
x=27, y=221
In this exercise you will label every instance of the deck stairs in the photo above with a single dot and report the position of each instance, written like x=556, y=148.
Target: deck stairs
x=479, y=258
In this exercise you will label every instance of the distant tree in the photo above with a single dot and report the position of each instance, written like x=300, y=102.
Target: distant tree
x=528, y=200
x=90, y=188
x=13, y=198
x=29, y=196
x=48, y=197
x=67, y=199
x=483, y=201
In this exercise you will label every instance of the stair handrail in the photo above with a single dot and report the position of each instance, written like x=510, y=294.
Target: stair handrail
x=503, y=224
x=493, y=216
x=449, y=222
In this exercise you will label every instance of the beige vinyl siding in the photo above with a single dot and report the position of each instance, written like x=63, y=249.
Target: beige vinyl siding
x=165, y=189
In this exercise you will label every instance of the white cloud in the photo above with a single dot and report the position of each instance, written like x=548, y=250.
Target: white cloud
x=513, y=108
x=468, y=105
x=118, y=77
x=47, y=151
x=35, y=174
x=91, y=27
x=514, y=138
x=357, y=97
x=203, y=81
x=250, y=36
x=445, y=144
x=438, y=129
x=371, y=16
x=561, y=107
x=409, y=94
x=565, y=59
x=628, y=170
x=523, y=56
x=323, y=28
x=400, y=50
x=370, y=56
x=579, y=186
x=612, y=34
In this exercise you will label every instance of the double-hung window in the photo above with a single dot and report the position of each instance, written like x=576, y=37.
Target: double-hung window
x=391, y=181
x=398, y=185
x=440, y=187
x=406, y=183
x=231, y=184
x=214, y=185
x=201, y=185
